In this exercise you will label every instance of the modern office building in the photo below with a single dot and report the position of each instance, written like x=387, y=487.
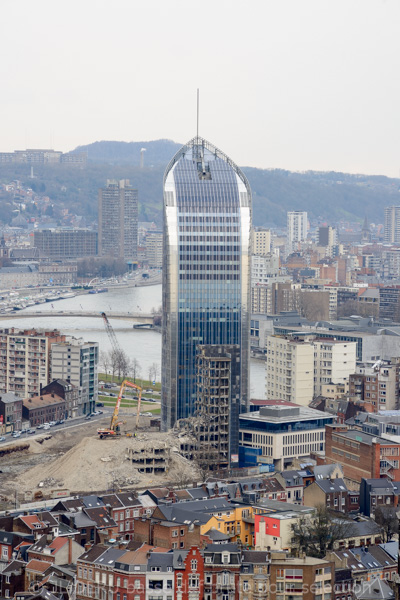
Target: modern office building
x=206, y=270
x=296, y=229
x=392, y=224
x=65, y=242
x=118, y=220
x=76, y=362
x=281, y=432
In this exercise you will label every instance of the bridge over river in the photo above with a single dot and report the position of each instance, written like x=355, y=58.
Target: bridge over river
x=138, y=317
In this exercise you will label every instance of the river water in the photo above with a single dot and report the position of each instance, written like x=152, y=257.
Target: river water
x=145, y=346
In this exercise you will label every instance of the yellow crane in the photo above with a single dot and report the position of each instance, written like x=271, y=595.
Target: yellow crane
x=114, y=428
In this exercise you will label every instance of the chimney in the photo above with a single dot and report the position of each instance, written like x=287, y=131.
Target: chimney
x=52, y=395
x=69, y=551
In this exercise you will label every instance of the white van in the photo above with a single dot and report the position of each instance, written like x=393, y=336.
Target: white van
x=46, y=425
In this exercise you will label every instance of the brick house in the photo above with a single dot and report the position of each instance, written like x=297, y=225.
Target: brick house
x=378, y=492
x=95, y=572
x=43, y=409
x=332, y=493
x=67, y=391
x=311, y=577
x=222, y=564
x=124, y=508
x=362, y=455
x=10, y=412
x=167, y=534
x=34, y=572
x=12, y=579
x=253, y=579
x=130, y=574
x=189, y=574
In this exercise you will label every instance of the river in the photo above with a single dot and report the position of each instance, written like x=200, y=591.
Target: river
x=145, y=346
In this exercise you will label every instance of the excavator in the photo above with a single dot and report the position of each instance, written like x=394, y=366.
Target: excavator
x=114, y=428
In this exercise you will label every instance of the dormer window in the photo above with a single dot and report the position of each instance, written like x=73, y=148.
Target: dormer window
x=225, y=558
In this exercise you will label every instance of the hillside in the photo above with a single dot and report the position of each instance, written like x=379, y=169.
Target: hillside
x=326, y=196
x=158, y=152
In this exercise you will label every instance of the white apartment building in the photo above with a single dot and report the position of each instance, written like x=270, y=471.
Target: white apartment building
x=296, y=229
x=154, y=249
x=260, y=242
x=334, y=362
x=265, y=269
x=289, y=370
x=296, y=369
x=25, y=360
x=76, y=362
x=392, y=224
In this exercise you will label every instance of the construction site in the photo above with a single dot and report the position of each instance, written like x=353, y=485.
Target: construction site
x=75, y=459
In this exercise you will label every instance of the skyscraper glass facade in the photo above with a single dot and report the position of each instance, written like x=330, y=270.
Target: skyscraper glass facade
x=206, y=269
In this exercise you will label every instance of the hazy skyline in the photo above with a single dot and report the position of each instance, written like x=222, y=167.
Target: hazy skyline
x=311, y=84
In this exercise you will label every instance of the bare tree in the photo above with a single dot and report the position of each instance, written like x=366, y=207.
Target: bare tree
x=105, y=361
x=318, y=533
x=386, y=518
x=135, y=368
x=155, y=370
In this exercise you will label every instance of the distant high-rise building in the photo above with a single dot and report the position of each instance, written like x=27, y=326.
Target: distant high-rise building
x=65, y=242
x=206, y=270
x=327, y=236
x=296, y=229
x=118, y=220
x=260, y=242
x=392, y=224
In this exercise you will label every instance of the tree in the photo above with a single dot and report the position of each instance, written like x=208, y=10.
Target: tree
x=135, y=369
x=316, y=534
x=105, y=361
x=154, y=371
x=386, y=518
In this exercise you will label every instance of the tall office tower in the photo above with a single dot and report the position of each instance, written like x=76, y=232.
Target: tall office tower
x=206, y=270
x=392, y=224
x=296, y=229
x=118, y=220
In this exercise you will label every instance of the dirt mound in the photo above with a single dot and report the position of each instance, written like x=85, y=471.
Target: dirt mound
x=93, y=464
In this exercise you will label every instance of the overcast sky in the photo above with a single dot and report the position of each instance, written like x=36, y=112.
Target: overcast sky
x=292, y=84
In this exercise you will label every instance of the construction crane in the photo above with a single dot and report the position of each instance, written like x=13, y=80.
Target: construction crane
x=114, y=428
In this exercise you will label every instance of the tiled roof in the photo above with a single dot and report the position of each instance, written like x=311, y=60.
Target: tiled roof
x=37, y=565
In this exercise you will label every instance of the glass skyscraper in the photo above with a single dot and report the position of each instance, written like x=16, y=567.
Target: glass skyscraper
x=206, y=270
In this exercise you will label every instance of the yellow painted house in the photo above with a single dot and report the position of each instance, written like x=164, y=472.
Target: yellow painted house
x=237, y=522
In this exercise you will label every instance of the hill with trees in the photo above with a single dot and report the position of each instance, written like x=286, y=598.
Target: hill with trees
x=325, y=195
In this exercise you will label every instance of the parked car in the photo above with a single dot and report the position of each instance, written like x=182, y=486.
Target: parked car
x=99, y=404
x=2, y=438
x=30, y=431
x=88, y=417
x=16, y=434
x=52, y=423
x=41, y=426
